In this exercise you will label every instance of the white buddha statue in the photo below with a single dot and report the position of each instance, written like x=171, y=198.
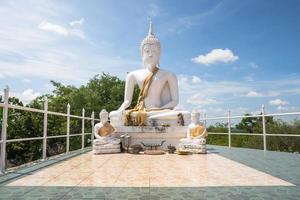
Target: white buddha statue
x=106, y=141
x=158, y=89
x=196, y=135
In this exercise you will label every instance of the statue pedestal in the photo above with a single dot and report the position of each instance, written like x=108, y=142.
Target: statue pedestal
x=149, y=134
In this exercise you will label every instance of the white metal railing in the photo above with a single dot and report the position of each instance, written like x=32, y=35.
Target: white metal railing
x=264, y=133
x=46, y=113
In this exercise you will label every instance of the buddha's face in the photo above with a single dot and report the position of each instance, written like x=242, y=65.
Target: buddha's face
x=151, y=55
x=104, y=117
x=195, y=117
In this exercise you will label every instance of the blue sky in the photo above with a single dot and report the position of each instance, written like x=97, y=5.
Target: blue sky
x=230, y=54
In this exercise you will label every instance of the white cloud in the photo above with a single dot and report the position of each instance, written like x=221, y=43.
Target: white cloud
x=248, y=78
x=196, y=79
x=216, y=56
x=180, y=24
x=273, y=93
x=288, y=108
x=253, y=65
x=66, y=66
x=198, y=99
x=34, y=54
x=61, y=30
x=278, y=102
x=25, y=80
x=154, y=10
x=26, y=96
x=212, y=111
x=254, y=94
x=77, y=23
x=46, y=26
x=236, y=68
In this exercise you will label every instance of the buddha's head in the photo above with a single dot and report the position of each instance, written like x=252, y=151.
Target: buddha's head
x=150, y=50
x=103, y=116
x=195, y=116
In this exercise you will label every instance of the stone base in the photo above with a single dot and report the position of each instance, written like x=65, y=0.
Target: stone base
x=154, y=135
x=157, y=118
x=99, y=148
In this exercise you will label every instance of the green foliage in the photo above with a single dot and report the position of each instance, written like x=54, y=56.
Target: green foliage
x=254, y=125
x=218, y=128
x=23, y=124
x=107, y=92
x=101, y=92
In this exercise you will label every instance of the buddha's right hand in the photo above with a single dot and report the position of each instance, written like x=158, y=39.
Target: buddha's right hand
x=115, y=114
x=116, y=117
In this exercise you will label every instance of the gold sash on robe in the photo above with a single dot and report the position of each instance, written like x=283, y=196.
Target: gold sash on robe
x=141, y=116
x=198, y=130
x=106, y=130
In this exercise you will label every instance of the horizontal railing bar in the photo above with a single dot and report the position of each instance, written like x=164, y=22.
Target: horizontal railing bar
x=57, y=113
x=66, y=115
x=217, y=133
x=287, y=135
x=56, y=136
x=214, y=118
x=75, y=116
x=39, y=138
x=250, y=116
x=214, y=133
x=25, y=108
x=79, y=134
x=245, y=116
x=24, y=139
x=42, y=111
x=282, y=114
x=255, y=134
x=232, y=117
x=88, y=118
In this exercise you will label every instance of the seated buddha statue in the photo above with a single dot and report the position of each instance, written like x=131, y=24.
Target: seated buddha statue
x=196, y=135
x=158, y=90
x=106, y=141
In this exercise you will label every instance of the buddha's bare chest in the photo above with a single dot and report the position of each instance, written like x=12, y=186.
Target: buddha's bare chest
x=153, y=98
x=157, y=81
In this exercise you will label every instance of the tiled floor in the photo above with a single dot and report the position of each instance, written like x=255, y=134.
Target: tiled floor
x=169, y=170
x=222, y=174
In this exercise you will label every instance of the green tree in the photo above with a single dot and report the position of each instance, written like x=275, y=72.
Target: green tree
x=101, y=92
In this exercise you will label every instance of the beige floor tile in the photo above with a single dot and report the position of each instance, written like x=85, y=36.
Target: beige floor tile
x=29, y=181
x=169, y=170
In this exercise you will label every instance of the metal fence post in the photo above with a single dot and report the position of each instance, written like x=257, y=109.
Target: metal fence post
x=68, y=128
x=45, y=128
x=229, y=128
x=82, y=129
x=264, y=127
x=93, y=128
x=4, y=131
